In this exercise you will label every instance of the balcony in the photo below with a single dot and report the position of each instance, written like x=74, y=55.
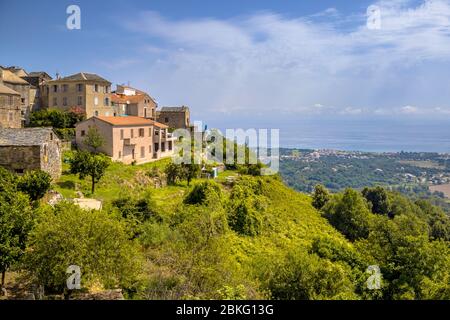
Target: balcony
x=129, y=142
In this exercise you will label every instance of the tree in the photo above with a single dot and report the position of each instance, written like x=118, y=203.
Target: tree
x=190, y=171
x=174, y=173
x=94, y=139
x=93, y=240
x=349, y=214
x=320, y=197
x=379, y=199
x=16, y=220
x=35, y=184
x=93, y=165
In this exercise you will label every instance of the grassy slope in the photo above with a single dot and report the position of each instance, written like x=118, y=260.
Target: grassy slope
x=290, y=221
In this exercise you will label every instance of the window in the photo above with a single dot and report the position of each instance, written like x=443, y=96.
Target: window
x=120, y=154
x=79, y=87
x=170, y=145
x=141, y=132
x=166, y=119
x=106, y=101
x=19, y=170
x=156, y=132
x=149, y=149
x=22, y=100
x=65, y=87
x=64, y=101
x=96, y=87
x=11, y=100
x=96, y=113
x=80, y=100
x=96, y=101
x=51, y=136
x=55, y=101
x=163, y=147
x=132, y=154
x=106, y=89
x=156, y=147
x=142, y=152
x=150, y=131
x=121, y=134
x=132, y=133
x=83, y=133
x=55, y=88
x=11, y=116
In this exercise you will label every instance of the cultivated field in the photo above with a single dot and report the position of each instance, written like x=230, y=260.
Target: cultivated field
x=444, y=188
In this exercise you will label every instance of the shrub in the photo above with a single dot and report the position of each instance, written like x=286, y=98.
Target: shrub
x=92, y=240
x=35, y=183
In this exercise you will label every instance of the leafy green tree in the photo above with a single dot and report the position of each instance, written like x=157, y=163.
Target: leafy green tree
x=203, y=193
x=16, y=220
x=190, y=171
x=94, y=139
x=379, y=199
x=35, y=183
x=90, y=165
x=174, y=173
x=303, y=276
x=320, y=197
x=349, y=214
x=93, y=240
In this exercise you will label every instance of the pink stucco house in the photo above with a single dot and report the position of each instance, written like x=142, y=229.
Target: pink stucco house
x=129, y=139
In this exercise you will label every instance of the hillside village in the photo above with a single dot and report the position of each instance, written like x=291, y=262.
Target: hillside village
x=134, y=127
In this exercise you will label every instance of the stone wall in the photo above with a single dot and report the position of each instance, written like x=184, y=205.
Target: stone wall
x=174, y=119
x=20, y=159
x=8, y=110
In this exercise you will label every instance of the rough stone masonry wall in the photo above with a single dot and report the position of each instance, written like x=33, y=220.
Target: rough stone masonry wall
x=27, y=158
x=16, y=158
x=52, y=162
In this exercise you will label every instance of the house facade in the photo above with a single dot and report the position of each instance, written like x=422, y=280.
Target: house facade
x=16, y=83
x=38, y=91
x=174, y=117
x=128, y=139
x=27, y=149
x=10, y=108
x=86, y=91
x=133, y=102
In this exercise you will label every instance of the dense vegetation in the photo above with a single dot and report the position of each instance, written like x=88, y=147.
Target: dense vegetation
x=248, y=237
x=409, y=173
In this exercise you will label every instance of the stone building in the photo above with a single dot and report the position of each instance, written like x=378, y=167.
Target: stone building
x=16, y=83
x=10, y=108
x=38, y=91
x=133, y=102
x=29, y=149
x=174, y=117
x=86, y=91
x=128, y=139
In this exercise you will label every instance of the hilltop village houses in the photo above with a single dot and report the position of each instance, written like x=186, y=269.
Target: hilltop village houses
x=133, y=127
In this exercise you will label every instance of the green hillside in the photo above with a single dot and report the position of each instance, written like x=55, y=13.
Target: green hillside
x=233, y=238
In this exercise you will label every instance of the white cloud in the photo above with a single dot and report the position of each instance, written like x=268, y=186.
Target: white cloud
x=267, y=62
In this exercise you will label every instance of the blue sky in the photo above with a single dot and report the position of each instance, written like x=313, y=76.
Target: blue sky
x=252, y=63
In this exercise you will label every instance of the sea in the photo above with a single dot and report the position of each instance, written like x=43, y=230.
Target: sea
x=369, y=135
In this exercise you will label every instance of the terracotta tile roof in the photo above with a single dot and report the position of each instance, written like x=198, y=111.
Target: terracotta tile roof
x=130, y=121
x=121, y=98
x=5, y=90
